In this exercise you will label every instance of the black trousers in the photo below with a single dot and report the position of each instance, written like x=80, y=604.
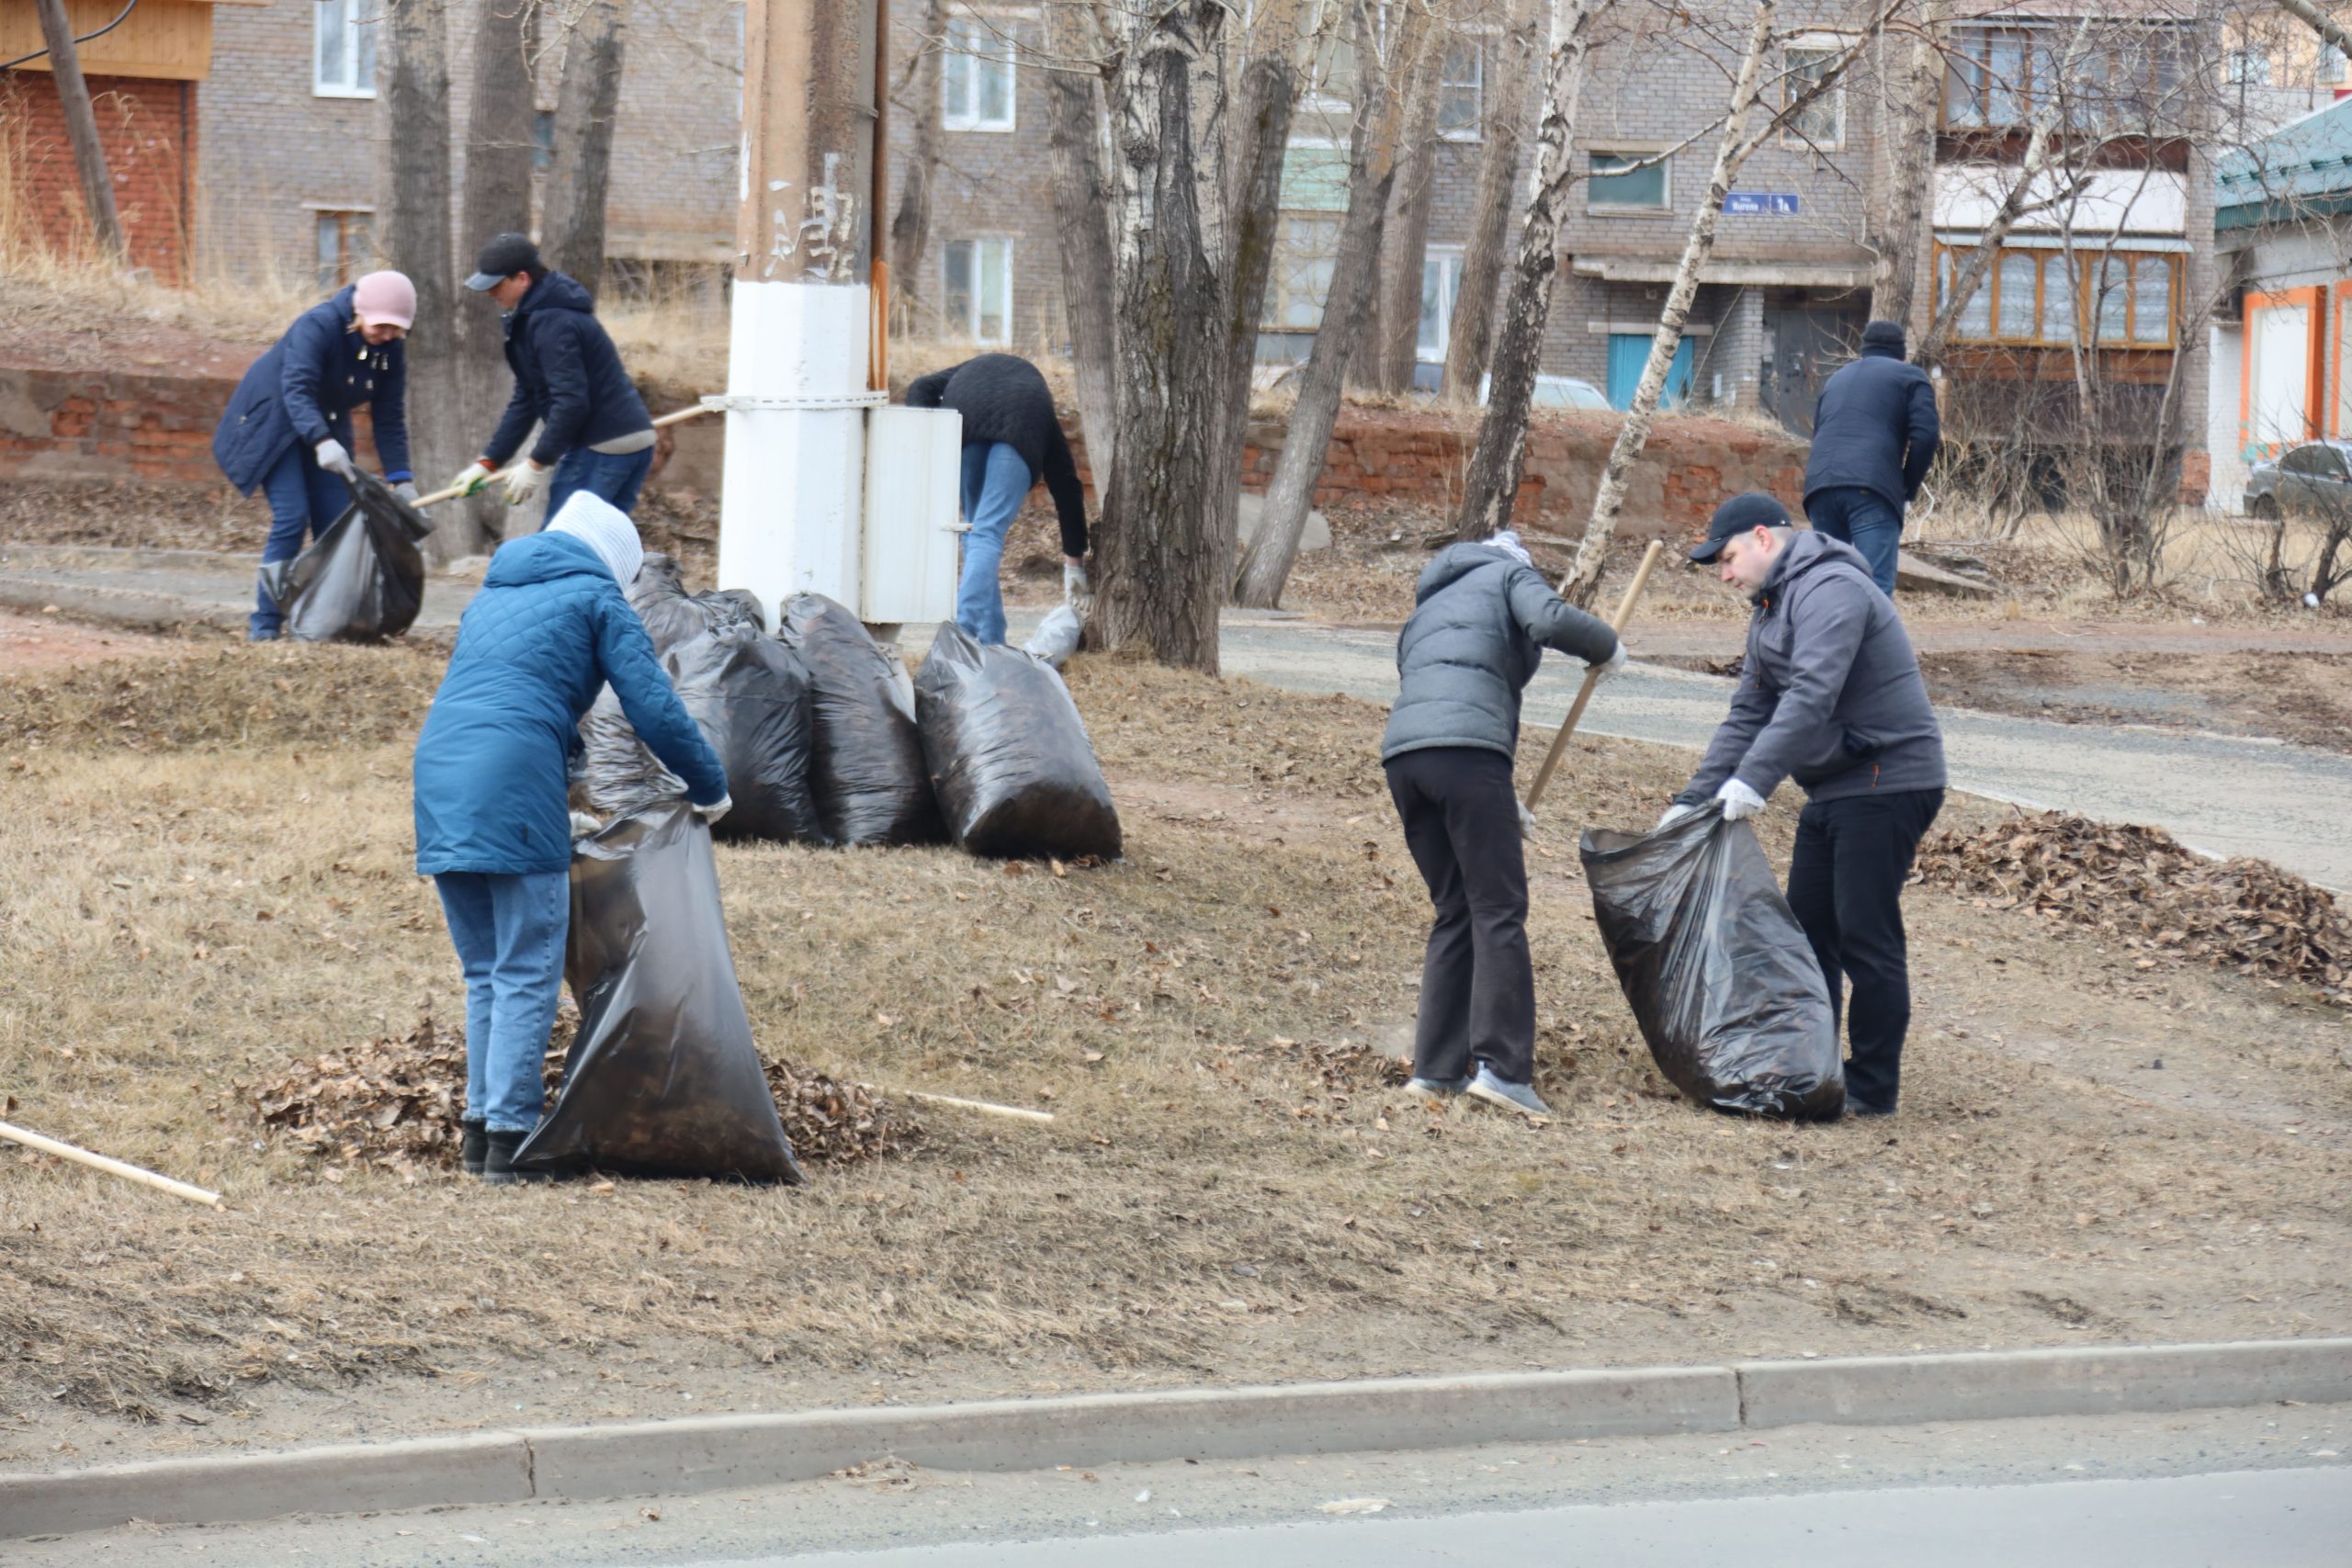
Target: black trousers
x=1845, y=885
x=1461, y=817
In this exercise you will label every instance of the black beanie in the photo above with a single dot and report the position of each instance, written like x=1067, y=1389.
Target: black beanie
x=1886, y=337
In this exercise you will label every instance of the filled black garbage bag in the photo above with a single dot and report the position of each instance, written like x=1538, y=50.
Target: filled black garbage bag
x=672, y=616
x=1010, y=762
x=662, y=1079
x=362, y=580
x=1721, y=978
x=866, y=767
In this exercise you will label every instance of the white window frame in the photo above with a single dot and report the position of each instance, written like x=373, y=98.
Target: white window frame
x=969, y=328
x=1834, y=99
x=1475, y=42
x=2327, y=66
x=2246, y=66
x=1634, y=154
x=1447, y=259
x=357, y=36
x=988, y=45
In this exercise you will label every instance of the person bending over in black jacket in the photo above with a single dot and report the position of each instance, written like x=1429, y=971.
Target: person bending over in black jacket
x=1012, y=438
x=1874, y=432
x=1481, y=620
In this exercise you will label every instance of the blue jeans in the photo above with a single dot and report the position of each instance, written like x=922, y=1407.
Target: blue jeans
x=996, y=479
x=509, y=932
x=1864, y=519
x=617, y=478
x=304, y=500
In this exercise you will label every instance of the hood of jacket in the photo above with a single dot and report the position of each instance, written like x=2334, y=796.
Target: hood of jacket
x=556, y=291
x=1807, y=550
x=543, y=558
x=1453, y=564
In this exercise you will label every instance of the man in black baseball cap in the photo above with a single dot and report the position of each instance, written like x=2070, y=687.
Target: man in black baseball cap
x=1830, y=695
x=594, y=433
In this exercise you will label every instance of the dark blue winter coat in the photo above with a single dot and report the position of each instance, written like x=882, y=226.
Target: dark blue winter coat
x=304, y=389
x=548, y=630
x=567, y=372
x=1875, y=428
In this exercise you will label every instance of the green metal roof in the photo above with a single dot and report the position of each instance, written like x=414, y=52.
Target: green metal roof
x=2303, y=170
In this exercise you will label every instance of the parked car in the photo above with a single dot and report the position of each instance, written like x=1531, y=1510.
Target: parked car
x=2312, y=480
x=1556, y=392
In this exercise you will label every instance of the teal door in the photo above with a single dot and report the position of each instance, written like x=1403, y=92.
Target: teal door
x=1628, y=351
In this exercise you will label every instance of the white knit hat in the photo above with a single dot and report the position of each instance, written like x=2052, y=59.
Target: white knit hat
x=1508, y=542
x=604, y=528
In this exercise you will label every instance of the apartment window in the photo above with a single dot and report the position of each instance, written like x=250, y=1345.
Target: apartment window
x=1987, y=83
x=2135, y=293
x=543, y=140
x=1331, y=74
x=1822, y=122
x=979, y=289
x=1305, y=249
x=2248, y=67
x=1462, y=90
x=2329, y=69
x=346, y=246
x=1441, y=285
x=2028, y=297
x=343, y=59
x=975, y=76
x=1628, y=182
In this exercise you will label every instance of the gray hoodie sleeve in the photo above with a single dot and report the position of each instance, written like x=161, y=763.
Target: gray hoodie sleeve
x=1827, y=620
x=1751, y=709
x=1553, y=622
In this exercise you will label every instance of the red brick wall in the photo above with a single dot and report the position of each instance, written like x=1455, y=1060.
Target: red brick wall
x=148, y=128
x=81, y=424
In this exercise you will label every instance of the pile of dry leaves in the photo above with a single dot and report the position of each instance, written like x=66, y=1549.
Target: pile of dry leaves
x=395, y=1104
x=2160, y=899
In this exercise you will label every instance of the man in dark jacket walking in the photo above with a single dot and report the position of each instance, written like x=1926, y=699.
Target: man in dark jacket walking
x=1481, y=620
x=594, y=433
x=1874, y=434
x=1830, y=695
x=1012, y=438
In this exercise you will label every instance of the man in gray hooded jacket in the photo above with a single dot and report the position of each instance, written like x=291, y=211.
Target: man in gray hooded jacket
x=1482, y=618
x=1830, y=695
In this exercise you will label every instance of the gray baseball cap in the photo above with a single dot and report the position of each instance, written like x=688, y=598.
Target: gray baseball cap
x=502, y=259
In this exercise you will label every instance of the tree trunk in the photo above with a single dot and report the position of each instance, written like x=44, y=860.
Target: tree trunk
x=1909, y=87
x=2320, y=22
x=1372, y=174
x=497, y=200
x=1082, y=208
x=586, y=108
x=1405, y=252
x=416, y=242
x=911, y=226
x=1583, y=582
x=1491, y=483
x=82, y=130
x=1472, y=330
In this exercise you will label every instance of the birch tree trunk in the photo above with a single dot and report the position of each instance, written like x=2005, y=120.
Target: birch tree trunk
x=497, y=200
x=1910, y=83
x=586, y=108
x=1472, y=330
x=1081, y=210
x=1492, y=483
x=416, y=242
x=1583, y=582
x=1372, y=174
x=1408, y=241
x=910, y=225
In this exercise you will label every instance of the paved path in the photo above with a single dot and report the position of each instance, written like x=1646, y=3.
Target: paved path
x=2222, y=795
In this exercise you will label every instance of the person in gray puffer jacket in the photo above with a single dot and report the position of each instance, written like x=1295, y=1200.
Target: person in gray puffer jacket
x=1481, y=620
x=1830, y=695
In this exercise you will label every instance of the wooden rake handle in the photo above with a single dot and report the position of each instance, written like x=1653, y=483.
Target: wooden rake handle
x=680, y=417
x=123, y=1169
x=1592, y=676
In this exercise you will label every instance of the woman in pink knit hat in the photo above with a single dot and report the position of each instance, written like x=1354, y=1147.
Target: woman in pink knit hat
x=287, y=430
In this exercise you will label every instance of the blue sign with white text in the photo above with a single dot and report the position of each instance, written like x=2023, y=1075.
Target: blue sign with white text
x=1762, y=203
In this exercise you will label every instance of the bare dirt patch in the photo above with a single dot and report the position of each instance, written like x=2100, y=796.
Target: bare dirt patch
x=35, y=644
x=2303, y=696
x=1232, y=1188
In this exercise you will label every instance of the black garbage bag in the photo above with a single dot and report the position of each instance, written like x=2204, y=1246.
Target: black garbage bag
x=662, y=1079
x=362, y=580
x=866, y=767
x=672, y=616
x=1721, y=978
x=1010, y=761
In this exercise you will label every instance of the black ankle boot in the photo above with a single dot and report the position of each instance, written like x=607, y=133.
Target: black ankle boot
x=498, y=1160
x=476, y=1144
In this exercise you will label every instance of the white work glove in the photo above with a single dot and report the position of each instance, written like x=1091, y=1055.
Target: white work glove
x=523, y=481
x=1077, y=592
x=471, y=478
x=585, y=826
x=1615, y=663
x=1738, y=801
x=1675, y=813
x=333, y=458
x=713, y=812
x=1526, y=821
x=406, y=491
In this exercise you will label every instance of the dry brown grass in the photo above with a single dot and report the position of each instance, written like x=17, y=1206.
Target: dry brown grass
x=1231, y=1189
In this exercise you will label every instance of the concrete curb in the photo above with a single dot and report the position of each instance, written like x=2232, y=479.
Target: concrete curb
x=135, y=608
x=719, y=1452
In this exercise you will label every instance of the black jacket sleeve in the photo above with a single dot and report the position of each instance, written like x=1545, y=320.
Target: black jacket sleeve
x=389, y=410
x=1922, y=436
x=926, y=391
x=512, y=425
x=1070, y=496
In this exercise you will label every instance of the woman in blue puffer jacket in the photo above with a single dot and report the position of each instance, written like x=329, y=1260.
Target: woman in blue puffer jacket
x=287, y=429
x=548, y=629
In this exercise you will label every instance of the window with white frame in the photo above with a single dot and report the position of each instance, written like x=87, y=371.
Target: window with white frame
x=343, y=55
x=1305, y=247
x=1462, y=90
x=2248, y=67
x=979, y=289
x=1629, y=182
x=1441, y=285
x=1822, y=122
x=975, y=74
x=2328, y=71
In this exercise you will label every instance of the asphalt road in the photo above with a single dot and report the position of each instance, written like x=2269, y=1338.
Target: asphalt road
x=2222, y=795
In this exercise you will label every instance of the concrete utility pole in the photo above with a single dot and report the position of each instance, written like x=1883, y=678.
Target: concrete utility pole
x=798, y=341
x=82, y=128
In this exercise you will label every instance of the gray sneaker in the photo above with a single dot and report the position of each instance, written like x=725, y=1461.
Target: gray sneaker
x=1510, y=1096
x=1436, y=1091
